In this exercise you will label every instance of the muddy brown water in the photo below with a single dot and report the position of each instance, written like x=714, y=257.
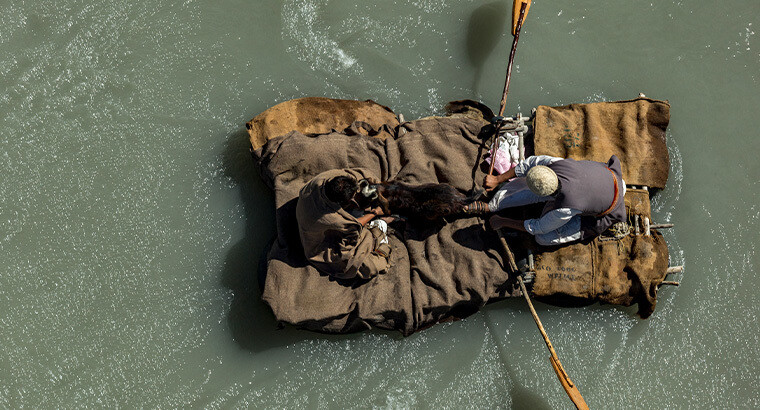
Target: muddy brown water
x=132, y=221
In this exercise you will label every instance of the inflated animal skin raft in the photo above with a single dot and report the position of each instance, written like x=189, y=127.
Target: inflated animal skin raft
x=449, y=269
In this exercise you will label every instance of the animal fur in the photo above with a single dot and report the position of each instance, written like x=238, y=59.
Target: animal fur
x=427, y=201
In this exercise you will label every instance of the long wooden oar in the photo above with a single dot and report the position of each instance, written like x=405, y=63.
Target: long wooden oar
x=564, y=379
x=519, y=12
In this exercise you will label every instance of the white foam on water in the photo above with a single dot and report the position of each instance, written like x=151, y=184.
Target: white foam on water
x=122, y=208
x=430, y=6
x=94, y=246
x=302, y=25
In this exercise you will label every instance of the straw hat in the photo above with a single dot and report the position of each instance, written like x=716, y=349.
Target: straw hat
x=542, y=180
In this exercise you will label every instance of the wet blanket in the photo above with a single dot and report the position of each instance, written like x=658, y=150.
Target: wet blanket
x=624, y=272
x=448, y=269
x=439, y=271
x=634, y=130
x=318, y=115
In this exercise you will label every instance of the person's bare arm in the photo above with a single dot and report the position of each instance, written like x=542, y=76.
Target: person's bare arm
x=372, y=214
x=498, y=222
x=492, y=181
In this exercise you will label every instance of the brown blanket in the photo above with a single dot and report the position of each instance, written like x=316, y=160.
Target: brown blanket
x=449, y=269
x=438, y=270
x=630, y=271
x=633, y=130
x=319, y=115
x=624, y=272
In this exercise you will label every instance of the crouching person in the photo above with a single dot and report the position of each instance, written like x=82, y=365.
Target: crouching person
x=583, y=198
x=339, y=237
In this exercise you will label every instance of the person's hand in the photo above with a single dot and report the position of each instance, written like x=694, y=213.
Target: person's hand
x=490, y=182
x=378, y=211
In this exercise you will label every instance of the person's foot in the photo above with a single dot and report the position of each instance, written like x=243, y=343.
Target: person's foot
x=476, y=208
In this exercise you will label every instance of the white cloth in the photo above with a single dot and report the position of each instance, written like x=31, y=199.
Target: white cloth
x=553, y=220
x=568, y=232
x=522, y=168
x=383, y=227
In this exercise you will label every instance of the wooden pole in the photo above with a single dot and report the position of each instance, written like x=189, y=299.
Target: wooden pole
x=507, y=251
x=512, y=52
x=523, y=9
x=570, y=388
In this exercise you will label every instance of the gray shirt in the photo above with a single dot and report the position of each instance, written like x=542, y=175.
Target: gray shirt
x=554, y=219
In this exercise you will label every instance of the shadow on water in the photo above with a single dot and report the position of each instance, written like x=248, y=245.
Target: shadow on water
x=251, y=323
x=484, y=31
x=524, y=398
x=521, y=396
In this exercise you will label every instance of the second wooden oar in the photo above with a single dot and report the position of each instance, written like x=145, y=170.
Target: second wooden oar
x=570, y=388
x=520, y=10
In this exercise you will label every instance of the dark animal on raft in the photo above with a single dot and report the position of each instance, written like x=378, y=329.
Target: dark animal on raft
x=426, y=201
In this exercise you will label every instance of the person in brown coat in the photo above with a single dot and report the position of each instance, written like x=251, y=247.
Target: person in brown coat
x=340, y=238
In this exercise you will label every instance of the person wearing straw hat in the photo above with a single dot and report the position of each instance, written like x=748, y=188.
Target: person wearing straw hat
x=583, y=198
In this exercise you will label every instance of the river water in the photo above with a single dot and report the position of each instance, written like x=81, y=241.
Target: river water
x=132, y=220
